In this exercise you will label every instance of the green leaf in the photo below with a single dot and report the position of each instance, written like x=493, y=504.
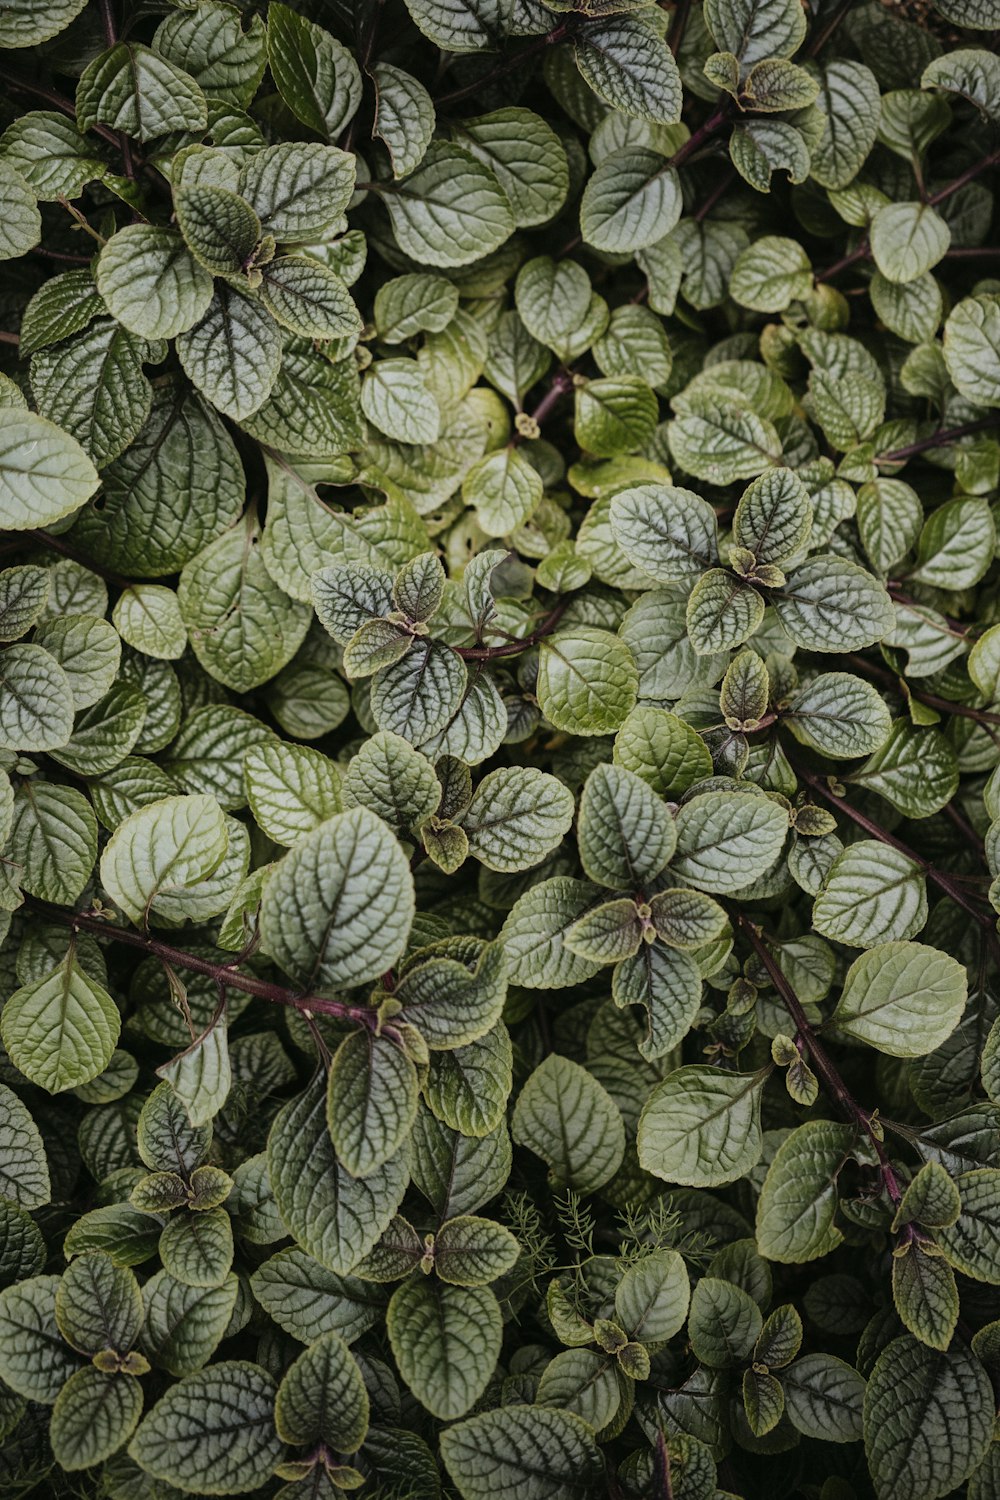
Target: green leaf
x=625, y=833
x=178, y=486
x=34, y=1360
x=770, y=274
x=972, y=348
x=607, y=933
x=394, y=780
x=872, y=893
x=210, y=43
x=446, y=1341
x=315, y=75
x=307, y=1301
x=774, y=517
x=824, y=1398
x=724, y=1323
x=533, y=935
x=213, y=1432
x=839, y=715
x=670, y=533
x=652, y=1298
x=467, y=1087
x=902, y=998
x=931, y=1198
x=219, y=227
x=24, y=1171
x=907, y=239
x=22, y=222
x=44, y=472
x=722, y=612
x=632, y=200
x=830, y=604
x=755, y=29
x=350, y=865
x=322, y=1398
x=614, y=416
x=668, y=985
x=721, y=441
x=971, y=72
x=449, y=211
x=505, y=489
x=587, y=680
x=925, y=1294
x=534, y=1452
x=197, y=1248
x=242, y=627
x=395, y=399
x=664, y=750
x=404, y=118
x=631, y=67
x=291, y=789
x=977, y=14
x=798, y=1202
x=526, y=156
x=24, y=593
x=53, y=157
x=956, y=545
x=971, y=1242
x=167, y=1139
x=582, y=1382
x=94, y=1415
x=148, y=617
x=457, y=28
x=566, y=1117
x=133, y=89
x=233, y=353
x=60, y=1030
x=847, y=119
x=470, y=1251
x=161, y=850
x=151, y=283
x=298, y=190
x=453, y=990
x=416, y=696
x=309, y=298
x=28, y=22
x=371, y=1102
x=557, y=306
x=53, y=839
x=36, y=701
x=517, y=816
x=98, y=1305
x=928, y=1419
x=201, y=1075
x=725, y=840
x=335, y=1217
x=701, y=1128
x=916, y=770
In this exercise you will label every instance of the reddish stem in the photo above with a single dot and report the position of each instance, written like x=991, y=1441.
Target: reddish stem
x=824, y=1065
x=943, y=881
x=226, y=974
x=940, y=439
x=514, y=648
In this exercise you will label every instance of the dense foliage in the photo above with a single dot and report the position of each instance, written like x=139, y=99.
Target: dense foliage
x=499, y=757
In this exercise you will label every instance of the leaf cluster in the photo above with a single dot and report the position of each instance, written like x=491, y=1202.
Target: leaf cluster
x=499, y=758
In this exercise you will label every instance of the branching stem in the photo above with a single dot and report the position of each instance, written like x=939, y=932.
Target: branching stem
x=226, y=974
x=826, y=1069
x=515, y=647
x=940, y=878
x=940, y=439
